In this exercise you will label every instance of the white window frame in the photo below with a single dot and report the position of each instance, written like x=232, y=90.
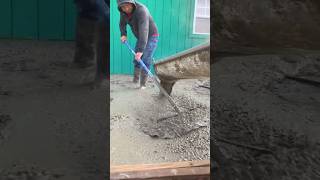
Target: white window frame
x=195, y=17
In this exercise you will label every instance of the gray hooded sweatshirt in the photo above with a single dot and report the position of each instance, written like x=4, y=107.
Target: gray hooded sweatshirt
x=140, y=21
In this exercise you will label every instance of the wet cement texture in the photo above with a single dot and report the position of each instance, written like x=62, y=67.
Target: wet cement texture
x=51, y=127
x=172, y=125
x=266, y=24
x=145, y=128
x=5, y=121
x=265, y=116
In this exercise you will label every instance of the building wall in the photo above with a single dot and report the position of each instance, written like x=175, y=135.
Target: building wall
x=37, y=19
x=55, y=20
x=174, y=19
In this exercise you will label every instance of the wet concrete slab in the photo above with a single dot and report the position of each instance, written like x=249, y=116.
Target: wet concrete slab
x=52, y=127
x=140, y=133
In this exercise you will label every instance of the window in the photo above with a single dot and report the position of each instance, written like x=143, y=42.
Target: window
x=201, y=23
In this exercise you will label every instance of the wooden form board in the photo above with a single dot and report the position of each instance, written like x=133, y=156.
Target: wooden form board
x=188, y=170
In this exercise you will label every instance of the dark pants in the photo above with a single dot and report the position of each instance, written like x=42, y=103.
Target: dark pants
x=148, y=53
x=92, y=39
x=103, y=64
x=96, y=10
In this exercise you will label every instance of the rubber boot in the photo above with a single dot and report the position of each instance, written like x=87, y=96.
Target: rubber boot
x=143, y=79
x=85, y=43
x=85, y=50
x=102, y=58
x=136, y=74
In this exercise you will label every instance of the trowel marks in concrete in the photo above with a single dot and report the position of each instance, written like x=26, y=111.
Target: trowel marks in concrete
x=167, y=125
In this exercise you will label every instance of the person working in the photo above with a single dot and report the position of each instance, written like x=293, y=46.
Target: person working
x=144, y=29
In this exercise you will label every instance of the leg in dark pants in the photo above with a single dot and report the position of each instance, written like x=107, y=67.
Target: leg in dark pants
x=147, y=59
x=103, y=42
x=85, y=33
x=102, y=52
x=92, y=39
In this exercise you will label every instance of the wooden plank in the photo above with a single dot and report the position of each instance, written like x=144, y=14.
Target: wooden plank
x=182, y=173
x=175, y=170
x=183, y=164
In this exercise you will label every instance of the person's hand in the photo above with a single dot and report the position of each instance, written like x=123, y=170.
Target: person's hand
x=123, y=38
x=138, y=56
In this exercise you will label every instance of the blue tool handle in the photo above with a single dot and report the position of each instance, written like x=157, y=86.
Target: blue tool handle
x=155, y=79
x=140, y=61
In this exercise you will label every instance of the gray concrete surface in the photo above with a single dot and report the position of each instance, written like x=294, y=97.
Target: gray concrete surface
x=50, y=126
x=137, y=135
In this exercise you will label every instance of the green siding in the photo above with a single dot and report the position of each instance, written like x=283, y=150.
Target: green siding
x=174, y=19
x=51, y=19
x=70, y=20
x=47, y=19
x=24, y=20
x=5, y=19
x=37, y=19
